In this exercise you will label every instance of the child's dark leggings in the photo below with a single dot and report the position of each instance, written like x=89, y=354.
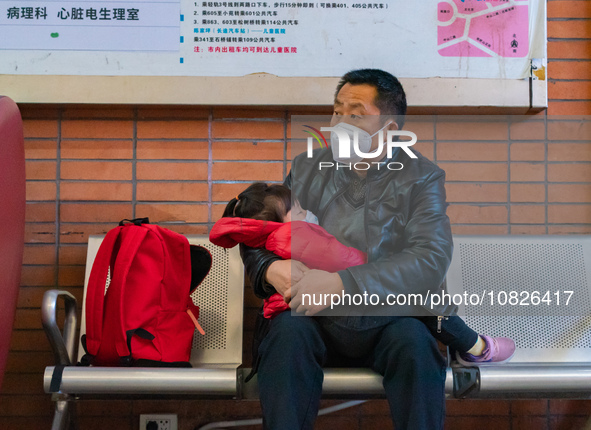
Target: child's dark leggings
x=451, y=331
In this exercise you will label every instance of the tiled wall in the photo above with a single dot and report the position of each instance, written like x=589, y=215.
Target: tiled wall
x=90, y=166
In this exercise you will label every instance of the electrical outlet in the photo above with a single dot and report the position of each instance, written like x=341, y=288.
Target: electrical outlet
x=158, y=422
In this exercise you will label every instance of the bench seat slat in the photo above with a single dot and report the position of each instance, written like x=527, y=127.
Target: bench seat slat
x=536, y=379
x=125, y=380
x=529, y=381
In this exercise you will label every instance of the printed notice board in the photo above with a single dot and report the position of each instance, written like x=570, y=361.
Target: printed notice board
x=493, y=39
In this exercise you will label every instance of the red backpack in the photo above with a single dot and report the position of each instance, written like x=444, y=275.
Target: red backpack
x=146, y=316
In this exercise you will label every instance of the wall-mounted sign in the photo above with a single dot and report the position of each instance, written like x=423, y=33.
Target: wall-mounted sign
x=419, y=39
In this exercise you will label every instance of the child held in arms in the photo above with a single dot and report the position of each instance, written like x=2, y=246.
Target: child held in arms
x=262, y=216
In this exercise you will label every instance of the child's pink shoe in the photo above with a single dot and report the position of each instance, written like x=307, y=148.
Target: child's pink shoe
x=498, y=350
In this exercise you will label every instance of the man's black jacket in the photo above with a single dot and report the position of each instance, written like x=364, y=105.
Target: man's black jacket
x=409, y=241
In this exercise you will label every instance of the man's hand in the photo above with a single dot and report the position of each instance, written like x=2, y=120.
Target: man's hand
x=315, y=282
x=282, y=274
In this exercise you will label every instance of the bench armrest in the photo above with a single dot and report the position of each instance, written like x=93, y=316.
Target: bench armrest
x=62, y=344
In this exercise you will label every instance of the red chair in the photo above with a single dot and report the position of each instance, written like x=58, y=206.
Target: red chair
x=12, y=218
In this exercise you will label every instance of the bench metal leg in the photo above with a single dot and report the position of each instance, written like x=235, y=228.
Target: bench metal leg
x=61, y=415
x=64, y=417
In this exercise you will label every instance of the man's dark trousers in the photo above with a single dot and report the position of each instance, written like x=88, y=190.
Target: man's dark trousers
x=403, y=351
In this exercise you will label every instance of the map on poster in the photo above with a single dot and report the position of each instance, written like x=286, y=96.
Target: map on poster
x=483, y=28
x=429, y=38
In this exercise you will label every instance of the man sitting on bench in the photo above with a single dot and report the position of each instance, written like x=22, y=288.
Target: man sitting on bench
x=398, y=218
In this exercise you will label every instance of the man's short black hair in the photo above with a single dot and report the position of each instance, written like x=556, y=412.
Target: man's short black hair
x=390, y=100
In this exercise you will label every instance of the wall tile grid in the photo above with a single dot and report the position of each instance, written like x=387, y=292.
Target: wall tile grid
x=90, y=166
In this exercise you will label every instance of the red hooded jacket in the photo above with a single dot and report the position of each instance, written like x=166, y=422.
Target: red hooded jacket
x=297, y=240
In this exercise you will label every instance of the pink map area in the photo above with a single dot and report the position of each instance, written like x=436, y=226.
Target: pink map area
x=453, y=31
x=494, y=26
x=473, y=6
x=445, y=12
x=463, y=49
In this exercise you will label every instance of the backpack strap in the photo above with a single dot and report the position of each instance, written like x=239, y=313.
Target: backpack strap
x=193, y=312
x=96, y=286
x=95, y=293
x=125, y=257
x=135, y=221
x=127, y=360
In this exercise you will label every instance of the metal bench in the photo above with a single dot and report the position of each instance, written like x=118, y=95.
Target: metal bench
x=553, y=357
x=215, y=356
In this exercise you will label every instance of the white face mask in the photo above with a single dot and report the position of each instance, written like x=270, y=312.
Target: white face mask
x=311, y=218
x=363, y=139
